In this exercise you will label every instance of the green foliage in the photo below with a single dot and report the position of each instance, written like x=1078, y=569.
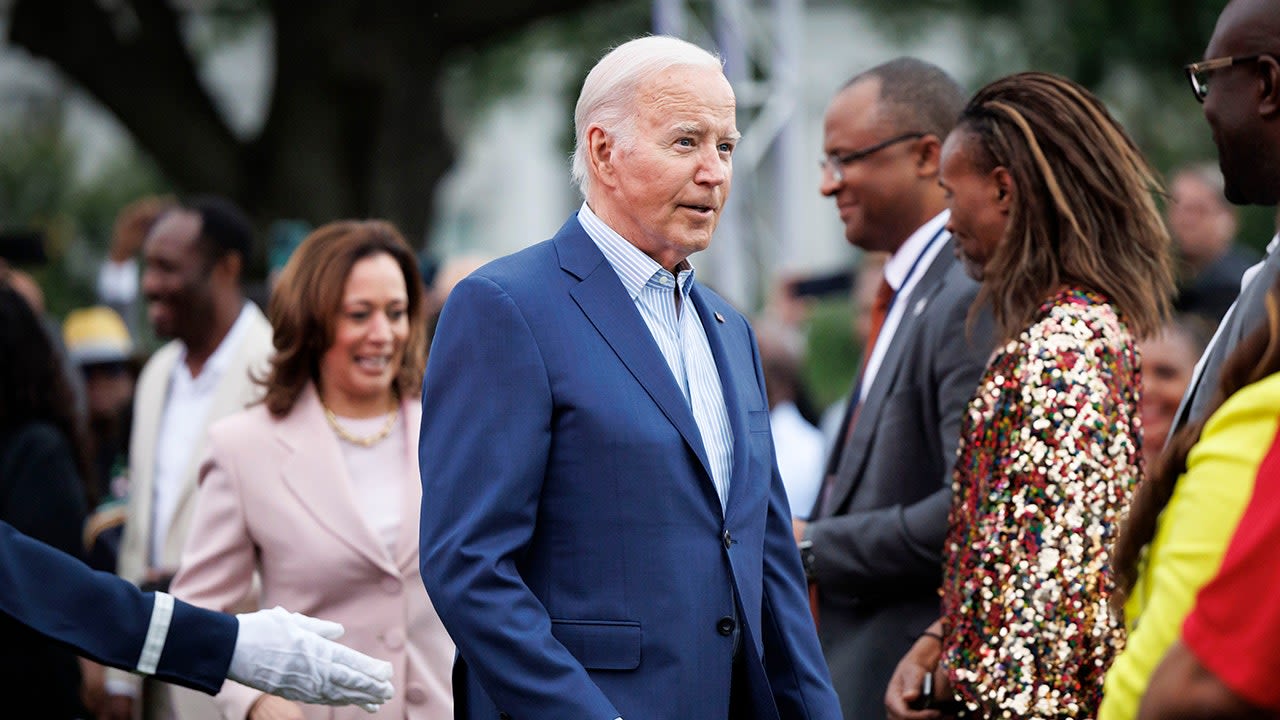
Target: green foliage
x=479, y=76
x=833, y=353
x=41, y=189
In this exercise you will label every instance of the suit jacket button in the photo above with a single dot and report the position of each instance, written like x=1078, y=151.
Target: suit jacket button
x=725, y=626
x=728, y=539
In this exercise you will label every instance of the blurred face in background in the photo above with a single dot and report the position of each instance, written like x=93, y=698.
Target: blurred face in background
x=979, y=203
x=177, y=277
x=108, y=388
x=371, y=327
x=1168, y=360
x=1200, y=220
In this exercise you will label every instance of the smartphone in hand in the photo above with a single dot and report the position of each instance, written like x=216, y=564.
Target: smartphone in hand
x=924, y=700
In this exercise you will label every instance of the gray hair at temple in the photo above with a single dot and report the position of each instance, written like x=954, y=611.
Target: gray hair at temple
x=609, y=93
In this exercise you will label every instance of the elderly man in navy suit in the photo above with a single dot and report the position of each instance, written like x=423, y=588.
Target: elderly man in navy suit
x=604, y=531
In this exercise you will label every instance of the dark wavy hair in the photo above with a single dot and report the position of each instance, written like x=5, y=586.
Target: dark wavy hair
x=1256, y=357
x=308, y=297
x=34, y=384
x=1085, y=210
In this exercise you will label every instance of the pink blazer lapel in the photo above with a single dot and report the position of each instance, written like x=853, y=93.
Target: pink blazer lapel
x=316, y=474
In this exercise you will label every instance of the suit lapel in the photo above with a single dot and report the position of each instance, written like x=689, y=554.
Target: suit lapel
x=855, y=452
x=149, y=409
x=612, y=312
x=316, y=474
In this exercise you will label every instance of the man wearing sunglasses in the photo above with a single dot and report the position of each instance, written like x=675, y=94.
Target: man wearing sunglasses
x=872, y=547
x=1224, y=665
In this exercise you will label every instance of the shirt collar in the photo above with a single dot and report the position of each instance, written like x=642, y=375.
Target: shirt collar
x=634, y=268
x=1275, y=242
x=897, y=267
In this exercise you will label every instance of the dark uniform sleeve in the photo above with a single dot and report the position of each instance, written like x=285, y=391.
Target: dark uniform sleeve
x=108, y=620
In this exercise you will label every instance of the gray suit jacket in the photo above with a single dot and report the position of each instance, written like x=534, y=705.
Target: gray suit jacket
x=877, y=540
x=1249, y=312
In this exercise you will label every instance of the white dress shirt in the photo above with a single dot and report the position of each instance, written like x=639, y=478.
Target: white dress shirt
x=179, y=436
x=903, y=271
x=801, y=452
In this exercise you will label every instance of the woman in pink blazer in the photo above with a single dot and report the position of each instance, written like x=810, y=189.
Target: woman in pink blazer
x=316, y=489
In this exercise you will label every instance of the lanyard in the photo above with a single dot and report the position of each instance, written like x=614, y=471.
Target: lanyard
x=915, y=265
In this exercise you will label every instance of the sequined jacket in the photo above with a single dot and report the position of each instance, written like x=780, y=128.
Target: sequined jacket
x=1050, y=449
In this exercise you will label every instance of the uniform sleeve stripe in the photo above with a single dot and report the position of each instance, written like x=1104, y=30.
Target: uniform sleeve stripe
x=161, y=615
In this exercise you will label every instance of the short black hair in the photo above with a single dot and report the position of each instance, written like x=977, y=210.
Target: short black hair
x=916, y=95
x=224, y=228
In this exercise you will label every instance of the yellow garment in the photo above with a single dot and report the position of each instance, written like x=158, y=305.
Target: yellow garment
x=1191, y=538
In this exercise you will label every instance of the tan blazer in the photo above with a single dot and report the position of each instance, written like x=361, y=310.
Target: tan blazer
x=275, y=497
x=235, y=392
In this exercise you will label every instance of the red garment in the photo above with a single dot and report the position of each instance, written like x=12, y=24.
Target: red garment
x=1234, y=628
x=879, y=310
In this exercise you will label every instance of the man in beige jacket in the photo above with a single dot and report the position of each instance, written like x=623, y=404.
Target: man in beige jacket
x=192, y=262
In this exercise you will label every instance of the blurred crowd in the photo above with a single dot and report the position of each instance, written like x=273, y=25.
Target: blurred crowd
x=1046, y=494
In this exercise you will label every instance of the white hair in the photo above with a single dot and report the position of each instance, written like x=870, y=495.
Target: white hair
x=609, y=91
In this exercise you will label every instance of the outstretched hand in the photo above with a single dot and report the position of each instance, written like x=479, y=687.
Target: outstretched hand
x=294, y=656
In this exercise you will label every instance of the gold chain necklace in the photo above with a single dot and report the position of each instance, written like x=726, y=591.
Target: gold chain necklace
x=368, y=440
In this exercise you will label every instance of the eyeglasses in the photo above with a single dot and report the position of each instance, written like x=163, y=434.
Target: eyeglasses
x=1198, y=73
x=835, y=164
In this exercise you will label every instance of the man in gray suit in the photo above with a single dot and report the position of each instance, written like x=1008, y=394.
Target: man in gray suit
x=1246, y=128
x=873, y=546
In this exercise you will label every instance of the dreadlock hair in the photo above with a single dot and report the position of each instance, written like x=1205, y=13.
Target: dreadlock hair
x=1084, y=212
x=1256, y=357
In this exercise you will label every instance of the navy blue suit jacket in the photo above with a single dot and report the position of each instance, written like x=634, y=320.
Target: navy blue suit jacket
x=106, y=618
x=572, y=539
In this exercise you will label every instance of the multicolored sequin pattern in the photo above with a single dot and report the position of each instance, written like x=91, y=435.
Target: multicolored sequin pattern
x=1050, y=451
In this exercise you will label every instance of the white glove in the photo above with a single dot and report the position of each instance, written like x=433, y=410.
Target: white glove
x=287, y=654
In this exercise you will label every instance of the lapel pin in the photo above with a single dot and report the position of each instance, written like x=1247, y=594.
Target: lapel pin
x=920, y=306
x=719, y=318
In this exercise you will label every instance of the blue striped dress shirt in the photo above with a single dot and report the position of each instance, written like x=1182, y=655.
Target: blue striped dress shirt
x=678, y=332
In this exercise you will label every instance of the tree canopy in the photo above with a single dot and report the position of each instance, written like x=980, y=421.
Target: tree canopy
x=355, y=119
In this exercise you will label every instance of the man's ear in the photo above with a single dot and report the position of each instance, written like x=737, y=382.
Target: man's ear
x=1004, y=188
x=227, y=268
x=1269, y=100
x=602, y=152
x=929, y=159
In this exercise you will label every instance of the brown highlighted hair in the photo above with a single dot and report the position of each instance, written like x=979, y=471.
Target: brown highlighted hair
x=308, y=297
x=1256, y=357
x=1084, y=213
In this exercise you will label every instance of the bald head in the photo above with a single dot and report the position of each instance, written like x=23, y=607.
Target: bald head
x=1243, y=103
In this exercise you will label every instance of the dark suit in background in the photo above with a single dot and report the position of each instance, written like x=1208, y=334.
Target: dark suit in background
x=1248, y=312
x=877, y=541
x=873, y=545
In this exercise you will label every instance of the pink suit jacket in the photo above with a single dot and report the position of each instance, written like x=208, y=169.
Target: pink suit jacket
x=275, y=497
